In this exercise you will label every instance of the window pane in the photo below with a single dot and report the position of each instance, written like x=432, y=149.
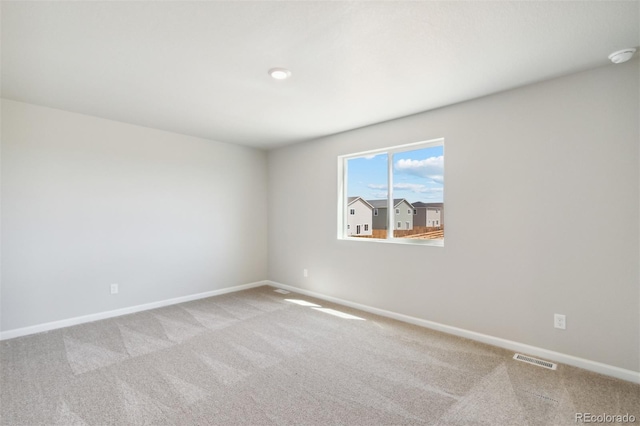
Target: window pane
x=367, y=183
x=418, y=184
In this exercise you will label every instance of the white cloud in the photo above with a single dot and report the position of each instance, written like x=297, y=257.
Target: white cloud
x=379, y=194
x=376, y=186
x=430, y=168
x=413, y=187
x=417, y=188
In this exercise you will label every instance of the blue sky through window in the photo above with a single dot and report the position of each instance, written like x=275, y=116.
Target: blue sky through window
x=418, y=175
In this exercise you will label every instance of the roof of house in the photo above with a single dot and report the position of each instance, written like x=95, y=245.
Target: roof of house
x=382, y=204
x=351, y=200
x=421, y=204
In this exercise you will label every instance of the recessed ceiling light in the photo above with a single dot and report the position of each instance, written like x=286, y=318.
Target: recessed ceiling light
x=622, y=55
x=280, y=73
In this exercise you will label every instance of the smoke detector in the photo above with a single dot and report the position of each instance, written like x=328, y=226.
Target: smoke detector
x=622, y=55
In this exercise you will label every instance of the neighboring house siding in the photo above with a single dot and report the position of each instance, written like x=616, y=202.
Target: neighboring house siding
x=420, y=218
x=403, y=216
x=361, y=218
x=433, y=217
x=429, y=214
x=380, y=221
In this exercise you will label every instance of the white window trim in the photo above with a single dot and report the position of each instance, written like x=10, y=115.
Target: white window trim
x=343, y=202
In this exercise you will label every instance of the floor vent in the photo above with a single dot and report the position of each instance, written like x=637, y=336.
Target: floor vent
x=535, y=361
x=281, y=291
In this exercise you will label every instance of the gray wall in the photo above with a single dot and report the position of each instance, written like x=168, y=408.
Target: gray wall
x=561, y=146
x=87, y=202
x=379, y=220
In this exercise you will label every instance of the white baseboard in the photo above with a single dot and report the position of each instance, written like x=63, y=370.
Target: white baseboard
x=17, y=332
x=597, y=367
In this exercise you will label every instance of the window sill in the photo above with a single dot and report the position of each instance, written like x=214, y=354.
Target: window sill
x=405, y=241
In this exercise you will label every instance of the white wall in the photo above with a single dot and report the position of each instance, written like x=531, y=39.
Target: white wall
x=564, y=150
x=87, y=202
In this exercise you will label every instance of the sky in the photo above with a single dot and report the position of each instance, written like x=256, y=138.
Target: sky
x=418, y=175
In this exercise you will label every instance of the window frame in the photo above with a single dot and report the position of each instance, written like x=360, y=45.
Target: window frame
x=391, y=216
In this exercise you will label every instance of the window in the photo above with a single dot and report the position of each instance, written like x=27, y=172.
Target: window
x=352, y=212
x=410, y=174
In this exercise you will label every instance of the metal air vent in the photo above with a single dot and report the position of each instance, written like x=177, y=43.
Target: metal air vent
x=535, y=361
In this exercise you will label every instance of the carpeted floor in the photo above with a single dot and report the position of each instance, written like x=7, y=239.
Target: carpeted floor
x=254, y=358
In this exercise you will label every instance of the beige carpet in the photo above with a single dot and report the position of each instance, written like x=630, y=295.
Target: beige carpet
x=254, y=358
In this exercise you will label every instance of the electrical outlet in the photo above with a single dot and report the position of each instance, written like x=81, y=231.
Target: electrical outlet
x=560, y=321
x=305, y=273
x=114, y=288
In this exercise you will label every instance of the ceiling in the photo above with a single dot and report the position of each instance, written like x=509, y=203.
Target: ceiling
x=200, y=68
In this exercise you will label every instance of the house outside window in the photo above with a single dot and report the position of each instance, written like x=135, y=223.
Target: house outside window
x=359, y=218
x=389, y=181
